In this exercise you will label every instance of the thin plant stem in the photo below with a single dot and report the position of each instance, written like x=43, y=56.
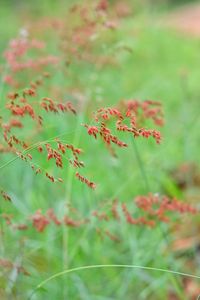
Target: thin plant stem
x=41, y=284
x=65, y=230
x=141, y=166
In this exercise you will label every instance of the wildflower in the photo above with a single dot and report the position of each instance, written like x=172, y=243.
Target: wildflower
x=40, y=222
x=89, y=183
x=92, y=130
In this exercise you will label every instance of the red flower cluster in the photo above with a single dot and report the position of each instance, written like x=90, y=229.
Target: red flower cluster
x=21, y=106
x=41, y=221
x=159, y=207
x=129, y=113
x=83, y=179
x=155, y=209
x=16, y=59
x=12, y=123
x=136, y=221
x=147, y=109
x=51, y=105
x=79, y=38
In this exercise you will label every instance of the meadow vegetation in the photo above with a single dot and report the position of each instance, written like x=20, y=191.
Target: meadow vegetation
x=99, y=155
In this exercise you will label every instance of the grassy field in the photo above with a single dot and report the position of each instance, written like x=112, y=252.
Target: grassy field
x=139, y=59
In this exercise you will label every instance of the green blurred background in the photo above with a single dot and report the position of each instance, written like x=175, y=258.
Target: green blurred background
x=161, y=63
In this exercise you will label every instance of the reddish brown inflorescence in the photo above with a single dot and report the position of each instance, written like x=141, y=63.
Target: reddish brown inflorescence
x=129, y=117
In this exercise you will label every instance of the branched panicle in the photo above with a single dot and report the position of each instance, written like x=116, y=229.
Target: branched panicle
x=26, y=109
x=129, y=117
x=152, y=210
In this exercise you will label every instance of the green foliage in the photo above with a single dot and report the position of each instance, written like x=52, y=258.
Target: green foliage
x=151, y=62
